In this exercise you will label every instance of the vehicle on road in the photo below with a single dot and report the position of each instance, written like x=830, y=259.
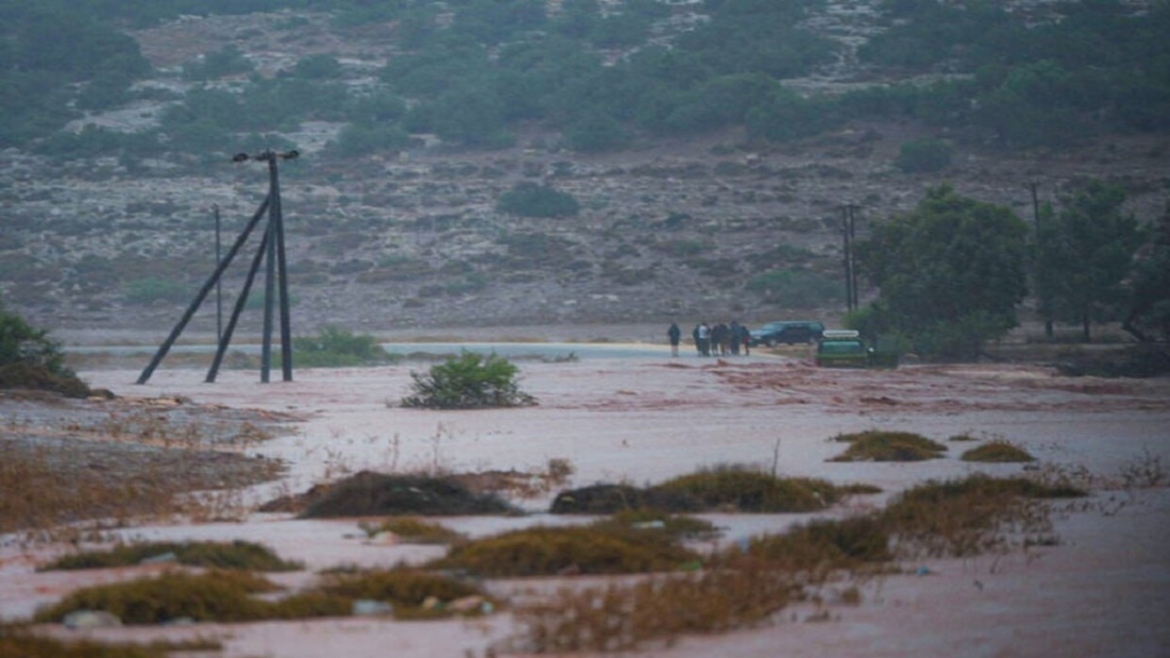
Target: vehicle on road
x=791, y=332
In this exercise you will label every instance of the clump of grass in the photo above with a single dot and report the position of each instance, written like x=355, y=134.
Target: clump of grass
x=16, y=641
x=377, y=494
x=33, y=376
x=413, y=593
x=544, y=551
x=826, y=545
x=747, y=490
x=971, y=516
x=627, y=616
x=998, y=451
x=675, y=527
x=237, y=554
x=413, y=530
x=885, y=446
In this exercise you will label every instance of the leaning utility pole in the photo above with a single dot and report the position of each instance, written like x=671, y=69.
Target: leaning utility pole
x=271, y=253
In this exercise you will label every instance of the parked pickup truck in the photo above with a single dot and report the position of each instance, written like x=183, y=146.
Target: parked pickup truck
x=844, y=348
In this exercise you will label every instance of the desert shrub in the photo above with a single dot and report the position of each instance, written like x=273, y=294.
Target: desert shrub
x=467, y=382
x=376, y=494
x=533, y=200
x=885, y=446
x=334, y=347
x=223, y=596
x=413, y=530
x=614, y=498
x=237, y=554
x=746, y=490
x=543, y=551
x=825, y=545
x=924, y=156
x=997, y=451
x=969, y=516
x=408, y=590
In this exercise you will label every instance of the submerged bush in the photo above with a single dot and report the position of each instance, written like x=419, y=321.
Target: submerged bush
x=468, y=382
x=411, y=592
x=237, y=554
x=377, y=494
x=224, y=596
x=883, y=446
x=826, y=544
x=334, y=347
x=997, y=452
x=968, y=516
x=746, y=490
x=543, y=551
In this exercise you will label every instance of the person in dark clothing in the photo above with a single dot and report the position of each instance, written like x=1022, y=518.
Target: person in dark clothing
x=736, y=336
x=695, y=335
x=719, y=339
x=674, y=335
x=746, y=339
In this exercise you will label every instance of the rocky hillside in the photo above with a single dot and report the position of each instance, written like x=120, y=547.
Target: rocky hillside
x=674, y=229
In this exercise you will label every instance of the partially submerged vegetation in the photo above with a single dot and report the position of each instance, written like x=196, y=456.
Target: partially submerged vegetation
x=468, y=382
x=379, y=494
x=998, y=451
x=726, y=488
x=887, y=446
x=237, y=555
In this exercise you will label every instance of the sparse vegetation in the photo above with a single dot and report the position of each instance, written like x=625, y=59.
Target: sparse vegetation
x=468, y=382
x=412, y=530
x=887, y=446
x=413, y=593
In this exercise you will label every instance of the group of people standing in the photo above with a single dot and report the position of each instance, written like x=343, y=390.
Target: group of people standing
x=722, y=339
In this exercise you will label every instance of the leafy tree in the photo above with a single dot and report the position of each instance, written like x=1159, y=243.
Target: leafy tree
x=223, y=62
x=950, y=272
x=535, y=200
x=318, y=67
x=1149, y=311
x=1083, y=253
x=20, y=342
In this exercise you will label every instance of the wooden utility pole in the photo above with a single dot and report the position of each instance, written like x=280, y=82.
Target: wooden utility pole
x=271, y=253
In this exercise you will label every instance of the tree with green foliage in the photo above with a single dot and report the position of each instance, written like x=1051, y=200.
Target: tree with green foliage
x=1149, y=310
x=950, y=272
x=468, y=382
x=30, y=359
x=535, y=200
x=1083, y=254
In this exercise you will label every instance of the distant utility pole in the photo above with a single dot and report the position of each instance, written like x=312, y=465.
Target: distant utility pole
x=270, y=253
x=849, y=234
x=1043, y=298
